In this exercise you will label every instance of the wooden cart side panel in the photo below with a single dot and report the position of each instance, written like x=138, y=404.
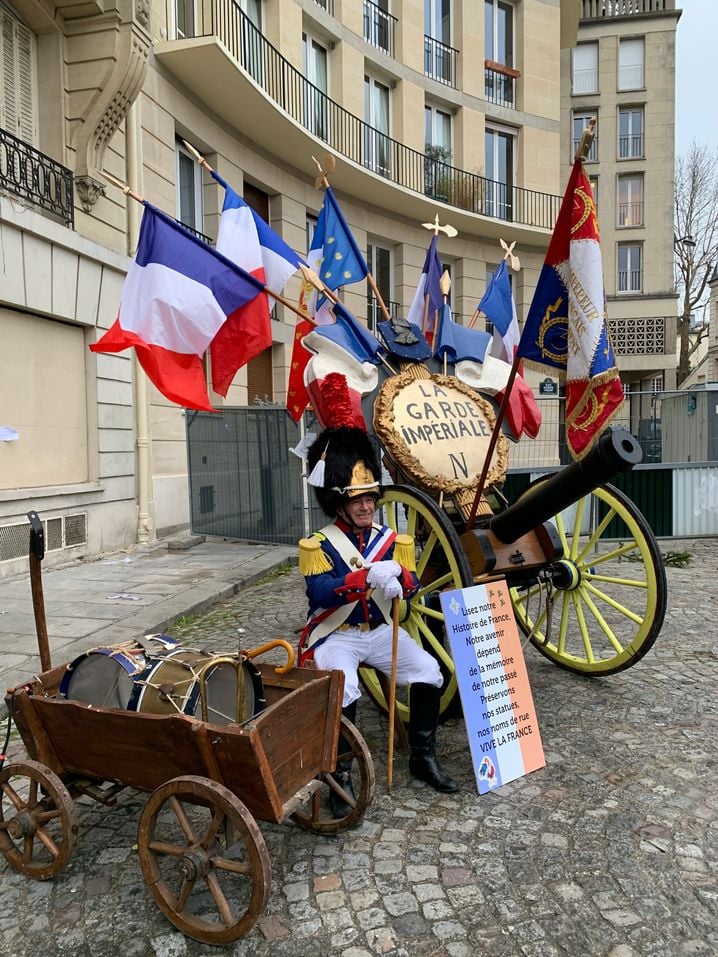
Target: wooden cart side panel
x=277, y=686
x=296, y=741
x=139, y=750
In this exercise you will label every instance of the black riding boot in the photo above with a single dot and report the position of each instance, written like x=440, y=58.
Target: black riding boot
x=343, y=774
x=423, y=717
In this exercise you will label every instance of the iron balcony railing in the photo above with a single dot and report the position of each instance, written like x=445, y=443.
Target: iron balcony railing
x=359, y=142
x=629, y=280
x=374, y=315
x=499, y=87
x=630, y=214
x=379, y=27
x=592, y=154
x=36, y=178
x=597, y=9
x=630, y=146
x=440, y=61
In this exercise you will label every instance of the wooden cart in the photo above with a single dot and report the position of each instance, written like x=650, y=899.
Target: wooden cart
x=201, y=852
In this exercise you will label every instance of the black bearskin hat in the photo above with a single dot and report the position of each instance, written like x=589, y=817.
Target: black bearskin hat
x=344, y=451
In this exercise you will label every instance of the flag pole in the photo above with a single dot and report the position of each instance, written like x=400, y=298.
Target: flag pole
x=581, y=154
x=323, y=181
x=138, y=199
x=445, y=286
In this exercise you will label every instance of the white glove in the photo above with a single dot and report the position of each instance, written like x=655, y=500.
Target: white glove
x=380, y=573
x=392, y=589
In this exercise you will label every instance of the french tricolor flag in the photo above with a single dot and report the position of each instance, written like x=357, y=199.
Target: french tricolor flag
x=246, y=239
x=178, y=294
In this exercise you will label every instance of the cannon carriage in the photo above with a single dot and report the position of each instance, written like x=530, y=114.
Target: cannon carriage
x=585, y=573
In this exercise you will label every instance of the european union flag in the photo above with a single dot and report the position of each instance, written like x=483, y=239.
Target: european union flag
x=348, y=333
x=342, y=262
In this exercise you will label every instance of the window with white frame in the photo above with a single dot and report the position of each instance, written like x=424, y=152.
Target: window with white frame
x=437, y=129
x=376, y=114
x=379, y=261
x=593, y=180
x=253, y=9
x=630, y=132
x=630, y=200
x=631, y=54
x=499, y=31
x=184, y=19
x=18, y=91
x=584, y=68
x=499, y=166
x=437, y=20
x=189, y=190
x=581, y=119
x=314, y=66
x=629, y=262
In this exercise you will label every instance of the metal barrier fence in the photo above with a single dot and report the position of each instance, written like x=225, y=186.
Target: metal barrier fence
x=245, y=482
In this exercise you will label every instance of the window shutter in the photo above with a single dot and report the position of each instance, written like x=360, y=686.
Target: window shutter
x=259, y=378
x=17, y=98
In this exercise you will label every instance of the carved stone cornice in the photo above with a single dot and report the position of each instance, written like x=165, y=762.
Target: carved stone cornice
x=106, y=57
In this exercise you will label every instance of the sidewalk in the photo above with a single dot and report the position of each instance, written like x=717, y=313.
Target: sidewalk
x=140, y=590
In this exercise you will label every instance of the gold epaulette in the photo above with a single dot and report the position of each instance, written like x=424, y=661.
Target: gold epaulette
x=312, y=559
x=404, y=551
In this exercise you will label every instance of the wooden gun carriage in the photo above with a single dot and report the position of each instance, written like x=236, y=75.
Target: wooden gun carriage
x=586, y=577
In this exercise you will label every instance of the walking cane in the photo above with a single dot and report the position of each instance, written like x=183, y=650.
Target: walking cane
x=392, y=688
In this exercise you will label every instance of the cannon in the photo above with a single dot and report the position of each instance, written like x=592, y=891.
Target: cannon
x=586, y=578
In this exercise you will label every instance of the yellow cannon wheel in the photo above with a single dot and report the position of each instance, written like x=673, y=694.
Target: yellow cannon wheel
x=440, y=565
x=608, y=593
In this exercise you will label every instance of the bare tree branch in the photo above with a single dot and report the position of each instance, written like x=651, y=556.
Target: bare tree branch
x=695, y=217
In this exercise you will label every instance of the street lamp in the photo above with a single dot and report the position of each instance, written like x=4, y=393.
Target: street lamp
x=686, y=240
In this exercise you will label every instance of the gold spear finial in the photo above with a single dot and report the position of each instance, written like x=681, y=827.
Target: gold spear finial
x=327, y=166
x=509, y=254
x=436, y=228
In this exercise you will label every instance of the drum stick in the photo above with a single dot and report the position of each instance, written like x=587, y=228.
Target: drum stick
x=392, y=688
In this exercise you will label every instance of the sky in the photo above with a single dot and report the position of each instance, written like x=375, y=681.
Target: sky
x=696, y=74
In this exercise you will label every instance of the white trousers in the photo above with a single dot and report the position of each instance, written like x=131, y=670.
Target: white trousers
x=346, y=650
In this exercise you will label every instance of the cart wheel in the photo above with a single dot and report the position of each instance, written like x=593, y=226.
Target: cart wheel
x=38, y=823
x=316, y=816
x=440, y=564
x=611, y=582
x=204, y=859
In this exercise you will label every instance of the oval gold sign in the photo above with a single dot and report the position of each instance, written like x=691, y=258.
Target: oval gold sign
x=437, y=430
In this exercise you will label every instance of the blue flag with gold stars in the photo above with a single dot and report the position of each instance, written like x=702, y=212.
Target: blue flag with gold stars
x=342, y=260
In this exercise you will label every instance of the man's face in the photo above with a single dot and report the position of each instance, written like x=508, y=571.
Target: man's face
x=359, y=511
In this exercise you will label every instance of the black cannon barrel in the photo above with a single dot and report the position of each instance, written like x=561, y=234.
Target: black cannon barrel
x=616, y=451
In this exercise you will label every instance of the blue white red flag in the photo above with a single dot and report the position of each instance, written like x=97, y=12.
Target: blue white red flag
x=459, y=343
x=177, y=295
x=566, y=325
x=429, y=286
x=246, y=239
x=497, y=304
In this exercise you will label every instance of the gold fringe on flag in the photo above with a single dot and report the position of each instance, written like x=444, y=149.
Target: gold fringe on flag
x=312, y=560
x=404, y=551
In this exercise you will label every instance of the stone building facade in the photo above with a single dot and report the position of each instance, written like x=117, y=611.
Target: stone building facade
x=447, y=107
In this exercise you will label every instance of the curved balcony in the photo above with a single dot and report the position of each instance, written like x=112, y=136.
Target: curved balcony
x=228, y=53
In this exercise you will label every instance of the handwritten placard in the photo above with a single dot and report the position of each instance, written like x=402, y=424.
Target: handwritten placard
x=495, y=694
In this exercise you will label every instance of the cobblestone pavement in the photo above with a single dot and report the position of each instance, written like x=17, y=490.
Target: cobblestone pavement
x=611, y=849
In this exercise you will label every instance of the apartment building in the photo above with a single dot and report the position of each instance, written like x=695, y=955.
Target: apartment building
x=448, y=107
x=622, y=72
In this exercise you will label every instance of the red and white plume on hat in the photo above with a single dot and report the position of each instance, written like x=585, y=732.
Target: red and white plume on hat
x=335, y=410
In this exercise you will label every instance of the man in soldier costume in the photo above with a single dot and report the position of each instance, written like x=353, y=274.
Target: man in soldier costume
x=354, y=568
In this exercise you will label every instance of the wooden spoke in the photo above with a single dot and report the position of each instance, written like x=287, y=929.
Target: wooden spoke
x=38, y=823
x=240, y=898
x=316, y=815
